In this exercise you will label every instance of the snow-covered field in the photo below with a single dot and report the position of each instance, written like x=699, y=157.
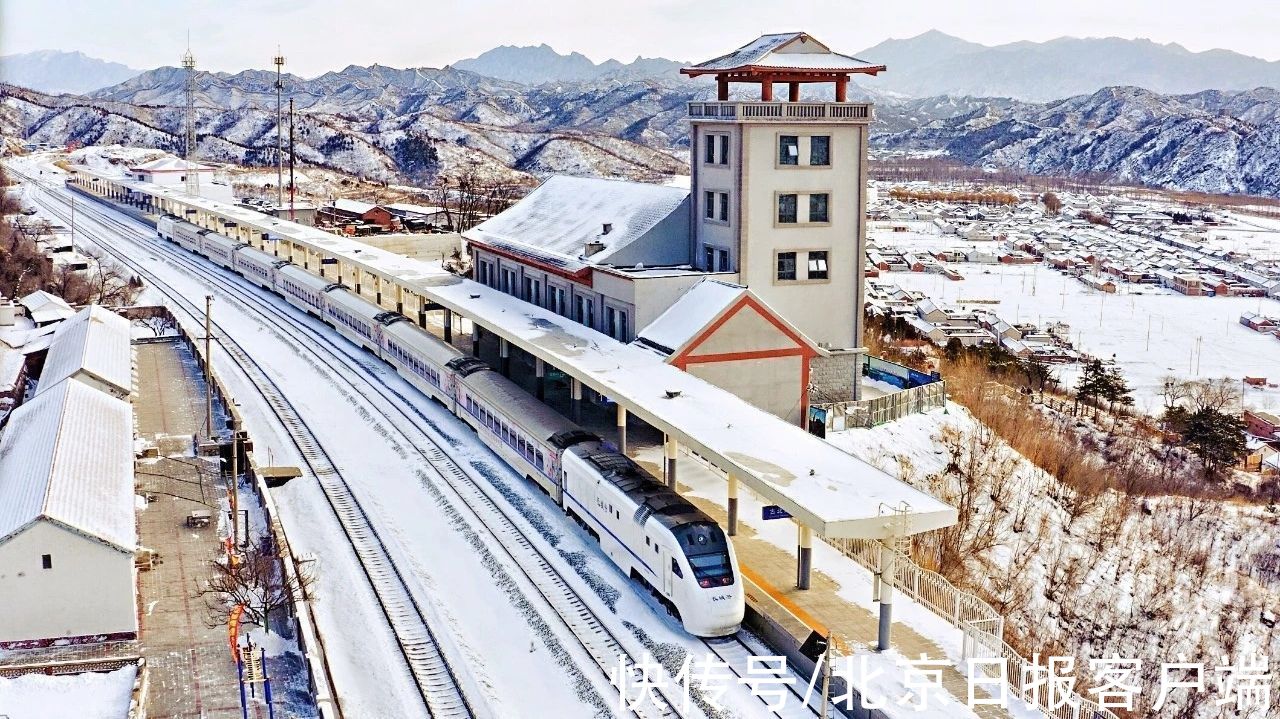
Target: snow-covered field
x=1151, y=332
x=74, y=696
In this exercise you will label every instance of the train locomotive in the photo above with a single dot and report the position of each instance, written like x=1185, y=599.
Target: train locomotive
x=669, y=546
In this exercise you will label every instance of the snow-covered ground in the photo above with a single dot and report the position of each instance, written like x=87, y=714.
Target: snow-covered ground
x=72, y=696
x=1151, y=332
x=510, y=661
x=1150, y=579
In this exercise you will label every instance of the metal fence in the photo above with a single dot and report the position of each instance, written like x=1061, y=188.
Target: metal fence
x=983, y=627
x=878, y=410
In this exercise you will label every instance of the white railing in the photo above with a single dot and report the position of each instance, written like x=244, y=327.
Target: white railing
x=982, y=625
x=747, y=111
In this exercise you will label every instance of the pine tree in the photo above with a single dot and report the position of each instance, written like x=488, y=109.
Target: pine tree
x=1217, y=438
x=1092, y=384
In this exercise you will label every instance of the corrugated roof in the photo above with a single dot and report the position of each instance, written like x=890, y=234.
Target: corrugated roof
x=788, y=50
x=95, y=341
x=67, y=457
x=565, y=213
x=44, y=307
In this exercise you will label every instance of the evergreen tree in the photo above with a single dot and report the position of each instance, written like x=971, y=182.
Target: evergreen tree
x=1115, y=389
x=1092, y=384
x=1217, y=438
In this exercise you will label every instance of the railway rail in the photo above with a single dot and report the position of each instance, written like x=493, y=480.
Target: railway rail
x=475, y=498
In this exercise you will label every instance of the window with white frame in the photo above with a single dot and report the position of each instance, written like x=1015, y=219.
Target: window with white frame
x=723, y=214
x=709, y=204
x=787, y=208
x=788, y=150
x=819, y=150
x=817, y=269
x=786, y=266
x=716, y=149
x=818, y=202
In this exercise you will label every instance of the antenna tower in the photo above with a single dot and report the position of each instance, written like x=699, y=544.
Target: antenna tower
x=279, y=62
x=192, y=176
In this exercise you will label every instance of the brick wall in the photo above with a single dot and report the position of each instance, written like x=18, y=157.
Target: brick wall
x=834, y=378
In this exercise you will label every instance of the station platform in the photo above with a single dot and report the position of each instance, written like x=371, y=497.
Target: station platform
x=838, y=603
x=192, y=674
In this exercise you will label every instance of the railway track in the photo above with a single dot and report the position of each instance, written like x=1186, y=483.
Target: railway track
x=475, y=498
x=441, y=692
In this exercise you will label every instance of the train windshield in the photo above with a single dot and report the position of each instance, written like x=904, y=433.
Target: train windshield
x=708, y=554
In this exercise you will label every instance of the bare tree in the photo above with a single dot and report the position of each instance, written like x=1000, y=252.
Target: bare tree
x=256, y=581
x=468, y=197
x=160, y=324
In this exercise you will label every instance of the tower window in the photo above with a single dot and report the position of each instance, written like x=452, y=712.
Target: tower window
x=818, y=207
x=786, y=265
x=710, y=258
x=820, y=150
x=788, y=150
x=787, y=208
x=46, y=561
x=716, y=151
x=709, y=202
x=818, y=265
x=724, y=207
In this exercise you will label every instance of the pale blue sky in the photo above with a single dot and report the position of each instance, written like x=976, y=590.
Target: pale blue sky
x=320, y=35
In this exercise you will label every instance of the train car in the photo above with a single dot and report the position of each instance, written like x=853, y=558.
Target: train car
x=302, y=289
x=354, y=317
x=164, y=228
x=256, y=266
x=219, y=248
x=524, y=432
x=657, y=537
x=420, y=358
x=188, y=235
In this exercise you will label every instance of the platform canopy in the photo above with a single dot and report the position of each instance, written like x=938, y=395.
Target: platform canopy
x=826, y=489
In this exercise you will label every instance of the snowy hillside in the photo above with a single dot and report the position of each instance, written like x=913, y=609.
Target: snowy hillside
x=1091, y=575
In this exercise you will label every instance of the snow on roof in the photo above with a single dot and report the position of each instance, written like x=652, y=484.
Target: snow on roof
x=565, y=213
x=95, y=341
x=171, y=164
x=67, y=457
x=44, y=307
x=698, y=307
x=353, y=206
x=792, y=50
x=414, y=209
x=836, y=494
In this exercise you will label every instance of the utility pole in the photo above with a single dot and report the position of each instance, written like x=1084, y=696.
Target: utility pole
x=208, y=368
x=291, y=185
x=279, y=62
x=234, y=484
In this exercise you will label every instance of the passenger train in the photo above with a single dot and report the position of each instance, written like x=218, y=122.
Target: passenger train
x=675, y=550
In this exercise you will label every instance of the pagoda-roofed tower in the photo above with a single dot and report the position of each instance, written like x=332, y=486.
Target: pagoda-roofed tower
x=791, y=57
x=779, y=188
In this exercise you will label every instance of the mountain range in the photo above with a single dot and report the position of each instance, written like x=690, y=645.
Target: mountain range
x=57, y=71
x=550, y=113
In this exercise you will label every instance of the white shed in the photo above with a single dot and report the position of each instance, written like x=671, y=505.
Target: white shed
x=67, y=523
x=92, y=347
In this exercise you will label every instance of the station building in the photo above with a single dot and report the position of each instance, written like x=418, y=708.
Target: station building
x=775, y=209
x=67, y=517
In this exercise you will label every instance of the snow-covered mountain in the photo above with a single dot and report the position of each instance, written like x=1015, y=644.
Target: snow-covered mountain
x=352, y=120
x=935, y=63
x=57, y=71
x=536, y=65
x=1213, y=141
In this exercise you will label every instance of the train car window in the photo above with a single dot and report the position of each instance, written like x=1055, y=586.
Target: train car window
x=675, y=568
x=538, y=460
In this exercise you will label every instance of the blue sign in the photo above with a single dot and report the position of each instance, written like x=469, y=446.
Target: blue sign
x=773, y=511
